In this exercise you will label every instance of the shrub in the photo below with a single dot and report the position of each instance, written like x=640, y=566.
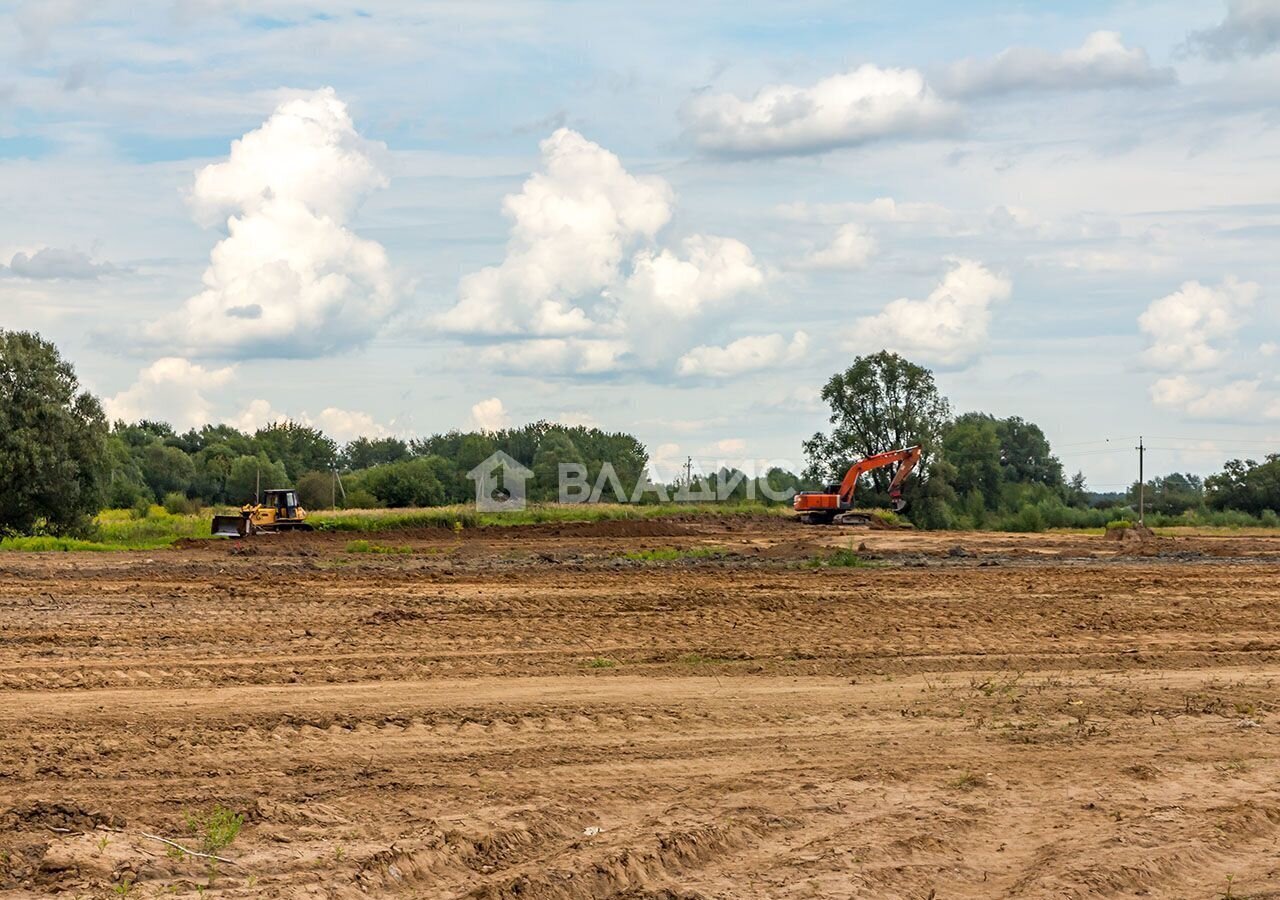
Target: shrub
x=141, y=508
x=177, y=503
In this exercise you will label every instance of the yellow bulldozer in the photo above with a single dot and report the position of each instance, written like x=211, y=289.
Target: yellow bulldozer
x=278, y=510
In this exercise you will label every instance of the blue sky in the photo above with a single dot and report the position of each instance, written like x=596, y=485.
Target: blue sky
x=682, y=217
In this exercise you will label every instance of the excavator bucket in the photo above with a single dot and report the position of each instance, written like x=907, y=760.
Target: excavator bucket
x=230, y=526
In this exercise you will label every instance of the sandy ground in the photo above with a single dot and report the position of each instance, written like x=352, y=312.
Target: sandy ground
x=526, y=713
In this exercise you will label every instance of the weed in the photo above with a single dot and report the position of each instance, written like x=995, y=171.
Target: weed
x=123, y=887
x=370, y=547
x=216, y=830
x=843, y=558
x=969, y=781
x=672, y=554
x=102, y=843
x=600, y=662
x=339, y=852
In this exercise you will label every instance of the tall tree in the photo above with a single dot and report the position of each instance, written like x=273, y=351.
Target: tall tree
x=300, y=447
x=53, y=440
x=881, y=402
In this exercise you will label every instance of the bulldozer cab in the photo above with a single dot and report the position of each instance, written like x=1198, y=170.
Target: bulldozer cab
x=284, y=502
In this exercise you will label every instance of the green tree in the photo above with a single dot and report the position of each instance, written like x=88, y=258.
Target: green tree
x=300, y=447
x=1246, y=485
x=243, y=477
x=1025, y=453
x=882, y=402
x=410, y=482
x=316, y=490
x=556, y=448
x=971, y=444
x=363, y=452
x=53, y=440
x=166, y=469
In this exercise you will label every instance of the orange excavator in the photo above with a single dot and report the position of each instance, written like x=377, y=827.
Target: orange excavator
x=835, y=504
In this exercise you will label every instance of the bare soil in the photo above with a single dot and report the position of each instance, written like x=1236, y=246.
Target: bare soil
x=527, y=713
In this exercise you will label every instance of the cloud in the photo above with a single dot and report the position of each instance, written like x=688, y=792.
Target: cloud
x=1182, y=326
x=881, y=209
x=171, y=389
x=572, y=224
x=1251, y=28
x=342, y=425
x=858, y=107
x=746, y=354
x=555, y=356
x=1102, y=61
x=949, y=327
x=51, y=262
x=1244, y=400
x=584, y=288
x=851, y=248
x=290, y=279
x=489, y=415
x=713, y=269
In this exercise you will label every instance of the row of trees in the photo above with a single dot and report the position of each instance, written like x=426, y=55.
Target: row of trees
x=61, y=462
x=980, y=471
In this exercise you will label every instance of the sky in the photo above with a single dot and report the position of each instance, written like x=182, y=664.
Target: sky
x=672, y=219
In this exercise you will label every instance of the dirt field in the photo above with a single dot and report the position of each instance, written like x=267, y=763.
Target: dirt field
x=527, y=713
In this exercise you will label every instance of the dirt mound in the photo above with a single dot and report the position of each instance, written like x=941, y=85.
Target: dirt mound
x=1131, y=534
x=56, y=817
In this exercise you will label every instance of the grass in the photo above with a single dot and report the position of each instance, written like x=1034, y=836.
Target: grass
x=969, y=781
x=465, y=516
x=842, y=558
x=217, y=829
x=601, y=662
x=673, y=554
x=370, y=547
x=121, y=529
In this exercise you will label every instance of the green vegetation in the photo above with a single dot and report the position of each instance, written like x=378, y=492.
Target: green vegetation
x=842, y=558
x=601, y=662
x=217, y=829
x=369, y=547
x=673, y=554
x=53, y=441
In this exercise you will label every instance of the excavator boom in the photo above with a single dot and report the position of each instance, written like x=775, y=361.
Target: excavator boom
x=824, y=507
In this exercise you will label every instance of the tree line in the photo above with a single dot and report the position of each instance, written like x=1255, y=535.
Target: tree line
x=979, y=471
x=61, y=461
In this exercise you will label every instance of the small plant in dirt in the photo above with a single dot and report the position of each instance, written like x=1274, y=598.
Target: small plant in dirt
x=217, y=829
x=673, y=554
x=843, y=558
x=1116, y=524
x=123, y=887
x=969, y=781
x=371, y=547
x=600, y=662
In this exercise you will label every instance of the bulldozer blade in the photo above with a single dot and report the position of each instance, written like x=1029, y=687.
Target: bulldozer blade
x=229, y=526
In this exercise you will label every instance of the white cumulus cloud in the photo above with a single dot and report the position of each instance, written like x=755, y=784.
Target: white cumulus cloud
x=850, y=248
x=1250, y=28
x=1102, y=61
x=572, y=225
x=746, y=354
x=949, y=327
x=1183, y=326
x=172, y=390
x=489, y=415
x=857, y=107
x=290, y=279
x=585, y=288
x=1243, y=400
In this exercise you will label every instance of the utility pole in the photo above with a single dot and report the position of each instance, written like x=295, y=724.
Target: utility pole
x=688, y=471
x=1142, y=483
